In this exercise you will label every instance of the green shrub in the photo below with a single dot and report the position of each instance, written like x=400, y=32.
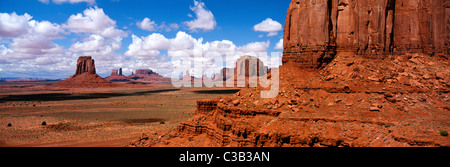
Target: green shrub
x=9, y=125
x=44, y=123
x=162, y=122
x=444, y=133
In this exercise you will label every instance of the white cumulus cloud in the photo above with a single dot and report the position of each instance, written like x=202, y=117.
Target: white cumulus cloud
x=27, y=38
x=46, y=28
x=156, y=41
x=184, y=48
x=93, y=20
x=13, y=25
x=270, y=26
x=139, y=48
x=98, y=46
x=255, y=47
x=279, y=44
x=204, y=19
x=184, y=41
x=147, y=24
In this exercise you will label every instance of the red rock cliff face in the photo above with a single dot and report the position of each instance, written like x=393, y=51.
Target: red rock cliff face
x=316, y=29
x=398, y=100
x=308, y=35
x=421, y=26
x=85, y=64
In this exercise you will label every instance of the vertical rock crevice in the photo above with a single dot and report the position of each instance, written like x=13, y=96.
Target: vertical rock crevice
x=316, y=29
x=85, y=64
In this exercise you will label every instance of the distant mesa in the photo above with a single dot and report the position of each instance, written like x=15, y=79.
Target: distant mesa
x=85, y=76
x=116, y=72
x=145, y=72
x=147, y=75
x=116, y=76
x=188, y=79
x=247, y=67
x=141, y=75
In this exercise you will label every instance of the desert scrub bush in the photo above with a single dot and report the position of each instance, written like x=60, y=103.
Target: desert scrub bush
x=44, y=123
x=162, y=122
x=444, y=133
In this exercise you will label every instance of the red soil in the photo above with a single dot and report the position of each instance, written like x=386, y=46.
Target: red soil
x=354, y=101
x=85, y=80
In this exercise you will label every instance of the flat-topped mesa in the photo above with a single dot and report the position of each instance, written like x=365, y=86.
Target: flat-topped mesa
x=316, y=29
x=144, y=72
x=116, y=76
x=114, y=73
x=85, y=64
x=250, y=66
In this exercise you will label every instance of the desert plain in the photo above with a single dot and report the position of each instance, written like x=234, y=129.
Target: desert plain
x=41, y=116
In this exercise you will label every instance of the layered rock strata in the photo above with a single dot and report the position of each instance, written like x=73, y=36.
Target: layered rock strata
x=376, y=81
x=316, y=29
x=206, y=106
x=85, y=76
x=352, y=102
x=85, y=64
x=116, y=76
x=147, y=75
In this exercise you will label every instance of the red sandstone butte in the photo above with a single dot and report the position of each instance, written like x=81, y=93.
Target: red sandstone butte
x=116, y=76
x=147, y=75
x=355, y=73
x=85, y=64
x=85, y=76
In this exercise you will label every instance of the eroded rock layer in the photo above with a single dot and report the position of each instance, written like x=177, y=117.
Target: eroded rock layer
x=316, y=29
x=85, y=76
x=400, y=98
x=85, y=64
x=353, y=101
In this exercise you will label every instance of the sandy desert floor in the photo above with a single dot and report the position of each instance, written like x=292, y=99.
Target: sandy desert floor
x=93, y=117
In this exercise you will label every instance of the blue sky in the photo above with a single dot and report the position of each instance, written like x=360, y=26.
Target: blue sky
x=43, y=38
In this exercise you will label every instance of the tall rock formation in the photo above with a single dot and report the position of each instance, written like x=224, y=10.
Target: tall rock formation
x=250, y=66
x=308, y=33
x=316, y=29
x=248, y=69
x=114, y=73
x=352, y=101
x=85, y=76
x=116, y=76
x=85, y=64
